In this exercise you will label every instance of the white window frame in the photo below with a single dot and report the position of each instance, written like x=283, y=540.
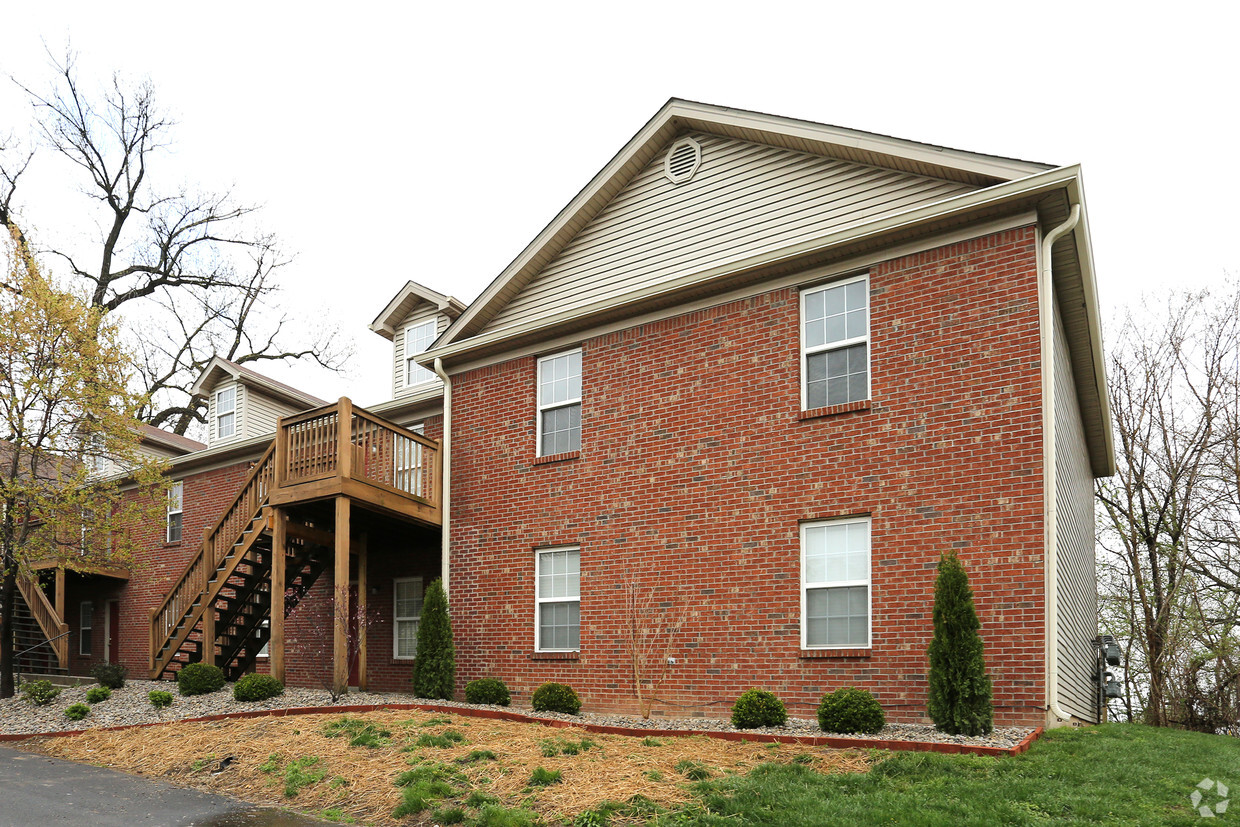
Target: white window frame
x=86, y=627
x=220, y=413
x=542, y=408
x=806, y=586
x=176, y=507
x=540, y=601
x=414, y=373
x=806, y=352
x=399, y=619
x=407, y=462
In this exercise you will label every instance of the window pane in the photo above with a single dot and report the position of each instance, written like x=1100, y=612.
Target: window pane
x=226, y=400
x=174, y=528
x=856, y=324
x=559, y=625
x=837, y=617
x=418, y=340
x=408, y=599
x=815, y=333
x=815, y=305
x=561, y=430
x=559, y=574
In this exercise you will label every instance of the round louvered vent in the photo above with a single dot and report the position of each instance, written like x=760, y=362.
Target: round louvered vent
x=682, y=160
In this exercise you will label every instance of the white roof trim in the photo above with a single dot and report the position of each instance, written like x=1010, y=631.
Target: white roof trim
x=392, y=315
x=206, y=382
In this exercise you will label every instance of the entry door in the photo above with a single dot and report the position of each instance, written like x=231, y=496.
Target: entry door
x=111, y=646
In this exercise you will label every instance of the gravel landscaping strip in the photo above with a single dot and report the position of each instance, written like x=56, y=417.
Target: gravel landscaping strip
x=129, y=705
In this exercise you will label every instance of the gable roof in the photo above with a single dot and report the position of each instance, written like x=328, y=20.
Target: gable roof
x=168, y=440
x=219, y=368
x=405, y=300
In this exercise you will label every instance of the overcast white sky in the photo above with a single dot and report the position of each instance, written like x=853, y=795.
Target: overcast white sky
x=433, y=141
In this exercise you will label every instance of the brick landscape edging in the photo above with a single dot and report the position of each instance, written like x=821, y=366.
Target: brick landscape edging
x=520, y=717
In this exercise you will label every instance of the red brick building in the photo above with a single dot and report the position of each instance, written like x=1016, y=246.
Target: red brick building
x=760, y=374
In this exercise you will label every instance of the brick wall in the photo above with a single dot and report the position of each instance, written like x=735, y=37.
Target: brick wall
x=696, y=469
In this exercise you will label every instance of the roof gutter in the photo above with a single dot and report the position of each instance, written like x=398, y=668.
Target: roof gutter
x=445, y=492
x=1046, y=322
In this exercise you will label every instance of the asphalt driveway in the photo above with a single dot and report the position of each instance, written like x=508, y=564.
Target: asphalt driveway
x=38, y=790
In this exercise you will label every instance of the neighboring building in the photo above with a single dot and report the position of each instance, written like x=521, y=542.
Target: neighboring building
x=765, y=371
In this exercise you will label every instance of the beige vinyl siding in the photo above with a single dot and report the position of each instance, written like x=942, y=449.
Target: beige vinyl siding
x=745, y=199
x=1074, y=502
x=398, y=347
x=213, y=438
x=262, y=413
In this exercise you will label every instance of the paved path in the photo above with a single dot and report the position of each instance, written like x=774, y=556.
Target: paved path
x=36, y=790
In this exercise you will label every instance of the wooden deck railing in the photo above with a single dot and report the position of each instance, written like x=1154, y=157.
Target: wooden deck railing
x=44, y=613
x=193, y=581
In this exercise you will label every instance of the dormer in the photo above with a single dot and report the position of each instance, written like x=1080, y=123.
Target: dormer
x=243, y=404
x=412, y=321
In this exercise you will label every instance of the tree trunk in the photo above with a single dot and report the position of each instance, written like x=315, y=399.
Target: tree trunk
x=8, y=595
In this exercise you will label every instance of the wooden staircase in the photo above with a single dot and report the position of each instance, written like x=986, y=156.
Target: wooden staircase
x=37, y=627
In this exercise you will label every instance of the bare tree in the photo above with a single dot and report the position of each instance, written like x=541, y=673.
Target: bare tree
x=652, y=620
x=192, y=269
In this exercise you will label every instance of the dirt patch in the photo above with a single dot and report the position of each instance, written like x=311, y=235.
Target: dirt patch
x=356, y=771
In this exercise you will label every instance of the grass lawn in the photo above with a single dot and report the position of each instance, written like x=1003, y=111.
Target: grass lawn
x=397, y=768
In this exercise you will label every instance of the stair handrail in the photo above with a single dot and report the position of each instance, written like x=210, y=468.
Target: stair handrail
x=53, y=626
x=230, y=526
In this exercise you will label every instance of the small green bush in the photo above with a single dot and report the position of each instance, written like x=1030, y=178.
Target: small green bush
x=40, y=693
x=302, y=772
x=200, y=679
x=555, y=697
x=848, y=710
x=255, y=687
x=487, y=691
x=159, y=698
x=758, y=708
x=77, y=712
x=543, y=777
x=98, y=694
x=111, y=675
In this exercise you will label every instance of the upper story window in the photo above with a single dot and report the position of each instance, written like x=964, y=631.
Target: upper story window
x=225, y=413
x=418, y=340
x=835, y=332
x=835, y=584
x=557, y=597
x=559, y=403
x=175, y=501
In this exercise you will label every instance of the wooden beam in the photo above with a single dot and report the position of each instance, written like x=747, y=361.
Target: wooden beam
x=208, y=632
x=59, y=605
x=344, y=434
x=362, y=586
x=279, y=552
x=340, y=642
x=299, y=531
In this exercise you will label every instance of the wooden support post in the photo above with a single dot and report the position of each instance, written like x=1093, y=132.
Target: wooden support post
x=279, y=457
x=344, y=442
x=340, y=647
x=362, y=587
x=208, y=632
x=60, y=593
x=279, y=552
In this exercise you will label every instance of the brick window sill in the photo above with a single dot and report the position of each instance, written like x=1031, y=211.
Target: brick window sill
x=564, y=457
x=834, y=410
x=569, y=656
x=817, y=654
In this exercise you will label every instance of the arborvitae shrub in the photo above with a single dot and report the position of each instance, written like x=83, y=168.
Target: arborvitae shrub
x=200, y=679
x=159, y=698
x=255, y=687
x=111, y=675
x=434, y=667
x=848, y=710
x=40, y=693
x=98, y=694
x=77, y=712
x=960, y=690
x=555, y=697
x=758, y=708
x=487, y=691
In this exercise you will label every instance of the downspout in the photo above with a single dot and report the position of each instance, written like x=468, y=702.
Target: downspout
x=445, y=497
x=1046, y=320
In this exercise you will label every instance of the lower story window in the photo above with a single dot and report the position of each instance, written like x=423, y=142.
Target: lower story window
x=407, y=613
x=835, y=583
x=557, y=595
x=86, y=622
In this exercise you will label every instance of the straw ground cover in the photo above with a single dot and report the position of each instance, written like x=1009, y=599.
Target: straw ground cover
x=402, y=767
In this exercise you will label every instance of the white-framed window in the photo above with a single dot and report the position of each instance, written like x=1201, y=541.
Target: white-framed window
x=418, y=340
x=835, y=584
x=406, y=615
x=557, y=598
x=835, y=343
x=265, y=652
x=225, y=413
x=559, y=403
x=86, y=625
x=176, y=495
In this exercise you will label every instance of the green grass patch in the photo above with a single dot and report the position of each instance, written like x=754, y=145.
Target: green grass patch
x=476, y=756
x=479, y=799
x=651, y=742
x=301, y=773
x=337, y=815
x=492, y=815
x=436, y=721
x=449, y=815
x=693, y=770
x=543, y=777
x=359, y=732
x=273, y=763
x=445, y=739
x=552, y=747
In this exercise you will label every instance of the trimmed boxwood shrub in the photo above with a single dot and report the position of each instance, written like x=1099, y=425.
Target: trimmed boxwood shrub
x=159, y=698
x=256, y=687
x=487, y=691
x=40, y=693
x=77, y=712
x=111, y=675
x=555, y=697
x=200, y=679
x=757, y=708
x=848, y=710
x=98, y=694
